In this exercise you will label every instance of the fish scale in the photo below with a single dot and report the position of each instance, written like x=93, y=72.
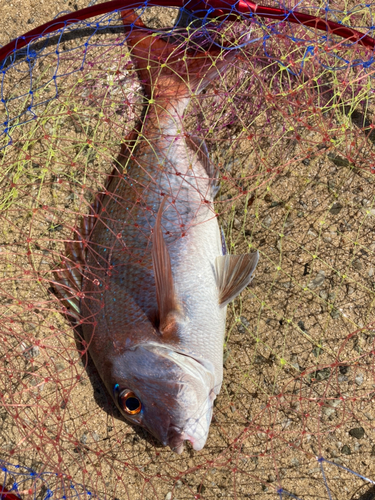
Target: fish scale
x=153, y=283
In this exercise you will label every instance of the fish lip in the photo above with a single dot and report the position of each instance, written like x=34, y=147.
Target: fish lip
x=177, y=438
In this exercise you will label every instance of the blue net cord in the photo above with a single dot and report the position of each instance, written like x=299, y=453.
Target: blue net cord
x=33, y=46
x=24, y=479
x=215, y=9
x=19, y=481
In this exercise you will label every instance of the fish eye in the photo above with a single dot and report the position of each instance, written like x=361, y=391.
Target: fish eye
x=129, y=402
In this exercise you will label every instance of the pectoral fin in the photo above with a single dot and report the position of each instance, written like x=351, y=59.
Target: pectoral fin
x=233, y=274
x=165, y=294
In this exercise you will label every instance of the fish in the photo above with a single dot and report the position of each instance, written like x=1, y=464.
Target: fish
x=147, y=276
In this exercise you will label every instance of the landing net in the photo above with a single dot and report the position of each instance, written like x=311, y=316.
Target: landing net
x=290, y=130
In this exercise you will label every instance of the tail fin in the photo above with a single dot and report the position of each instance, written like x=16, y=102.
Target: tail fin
x=171, y=68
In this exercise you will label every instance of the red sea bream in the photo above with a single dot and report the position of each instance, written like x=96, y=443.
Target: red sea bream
x=149, y=278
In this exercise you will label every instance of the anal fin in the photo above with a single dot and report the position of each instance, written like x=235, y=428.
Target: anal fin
x=223, y=242
x=200, y=149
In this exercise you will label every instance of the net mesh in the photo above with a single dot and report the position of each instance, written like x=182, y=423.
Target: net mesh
x=290, y=129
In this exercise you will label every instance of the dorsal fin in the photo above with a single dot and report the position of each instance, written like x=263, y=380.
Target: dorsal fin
x=233, y=274
x=165, y=293
x=68, y=277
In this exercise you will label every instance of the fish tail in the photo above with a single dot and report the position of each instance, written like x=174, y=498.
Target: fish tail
x=170, y=69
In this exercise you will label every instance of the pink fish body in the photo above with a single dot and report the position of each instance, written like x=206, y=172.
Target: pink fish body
x=154, y=283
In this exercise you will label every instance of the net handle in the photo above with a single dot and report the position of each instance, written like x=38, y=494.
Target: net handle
x=211, y=9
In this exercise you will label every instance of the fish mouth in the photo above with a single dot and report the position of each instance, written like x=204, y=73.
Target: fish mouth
x=177, y=438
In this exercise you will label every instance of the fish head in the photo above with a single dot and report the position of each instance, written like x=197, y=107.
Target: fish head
x=167, y=392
